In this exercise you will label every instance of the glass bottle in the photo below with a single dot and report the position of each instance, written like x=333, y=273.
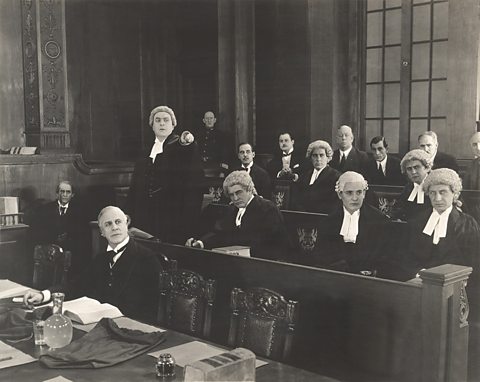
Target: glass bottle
x=58, y=328
x=165, y=366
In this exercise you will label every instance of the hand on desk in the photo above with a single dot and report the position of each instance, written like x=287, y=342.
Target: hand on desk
x=32, y=298
x=194, y=243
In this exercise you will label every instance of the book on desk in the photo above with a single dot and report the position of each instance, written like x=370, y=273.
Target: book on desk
x=86, y=310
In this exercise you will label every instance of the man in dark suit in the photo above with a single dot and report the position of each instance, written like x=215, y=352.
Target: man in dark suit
x=286, y=164
x=260, y=177
x=472, y=181
x=62, y=222
x=428, y=142
x=383, y=168
x=250, y=221
x=352, y=238
x=315, y=190
x=125, y=275
x=347, y=157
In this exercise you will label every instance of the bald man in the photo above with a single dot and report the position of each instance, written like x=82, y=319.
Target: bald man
x=347, y=157
x=125, y=275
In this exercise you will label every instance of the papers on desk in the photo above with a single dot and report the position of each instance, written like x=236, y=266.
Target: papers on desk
x=9, y=289
x=124, y=323
x=9, y=356
x=194, y=351
x=58, y=379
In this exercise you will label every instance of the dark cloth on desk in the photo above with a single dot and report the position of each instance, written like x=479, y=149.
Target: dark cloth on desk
x=262, y=229
x=356, y=161
x=365, y=254
x=318, y=197
x=14, y=324
x=105, y=345
x=297, y=159
x=261, y=180
x=131, y=285
x=472, y=179
x=165, y=197
x=444, y=160
x=393, y=174
x=461, y=246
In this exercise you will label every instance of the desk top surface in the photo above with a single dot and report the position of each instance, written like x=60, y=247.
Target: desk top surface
x=141, y=368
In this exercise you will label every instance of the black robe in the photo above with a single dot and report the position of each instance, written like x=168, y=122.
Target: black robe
x=165, y=197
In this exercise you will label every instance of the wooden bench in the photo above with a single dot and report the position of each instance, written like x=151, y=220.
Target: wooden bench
x=351, y=327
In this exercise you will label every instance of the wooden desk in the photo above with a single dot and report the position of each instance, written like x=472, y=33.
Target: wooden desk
x=141, y=368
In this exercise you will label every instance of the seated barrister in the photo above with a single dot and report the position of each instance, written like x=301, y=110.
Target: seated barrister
x=249, y=220
x=416, y=164
x=125, y=275
x=315, y=190
x=383, y=168
x=472, y=181
x=443, y=234
x=352, y=237
x=260, y=177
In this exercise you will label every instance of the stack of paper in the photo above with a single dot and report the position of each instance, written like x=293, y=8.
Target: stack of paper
x=9, y=356
x=9, y=289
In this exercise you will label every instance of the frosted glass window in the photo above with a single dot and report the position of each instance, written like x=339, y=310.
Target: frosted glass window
x=374, y=101
x=374, y=65
x=393, y=24
x=374, y=4
x=392, y=63
x=393, y=3
x=440, y=20
x=420, y=61
x=439, y=60
x=439, y=98
x=392, y=101
x=440, y=127
x=419, y=1
x=374, y=28
x=421, y=23
x=372, y=129
x=391, y=132
x=419, y=100
x=417, y=127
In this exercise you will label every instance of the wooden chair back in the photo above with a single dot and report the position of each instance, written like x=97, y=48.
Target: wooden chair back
x=50, y=266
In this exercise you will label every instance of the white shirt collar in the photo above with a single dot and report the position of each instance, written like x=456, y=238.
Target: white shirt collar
x=241, y=212
x=315, y=175
x=383, y=163
x=346, y=152
x=418, y=193
x=156, y=149
x=437, y=224
x=349, y=229
x=62, y=205
x=288, y=153
x=122, y=244
x=249, y=166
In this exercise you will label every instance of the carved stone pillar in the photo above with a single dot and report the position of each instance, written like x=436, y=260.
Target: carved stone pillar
x=45, y=74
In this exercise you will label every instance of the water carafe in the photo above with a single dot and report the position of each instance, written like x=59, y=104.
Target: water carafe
x=58, y=328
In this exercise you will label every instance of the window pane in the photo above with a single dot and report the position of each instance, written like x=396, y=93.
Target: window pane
x=393, y=3
x=392, y=100
x=439, y=59
x=374, y=28
x=392, y=63
x=421, y=23
x=439, y=98
x=440, y=127
x=419, y=100
x=374, y=4
x=374, y=101
x=372, y=129
x=391, y=132
x=440, y=20
x=374, y=65
x=420, y=61
x=393, y=24
x=417, y=127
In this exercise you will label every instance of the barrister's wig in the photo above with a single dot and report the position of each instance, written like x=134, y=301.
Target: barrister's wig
x=350, y=177
x=444, y=176
x=319, y=145
x=165, y=109
x=417, y=154
x=241, y=178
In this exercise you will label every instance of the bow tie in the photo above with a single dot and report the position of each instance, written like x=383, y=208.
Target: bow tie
x=63, y=210
x=112, y=253
x=286, y=155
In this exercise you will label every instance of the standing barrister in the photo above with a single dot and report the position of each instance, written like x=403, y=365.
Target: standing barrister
x=165, y=193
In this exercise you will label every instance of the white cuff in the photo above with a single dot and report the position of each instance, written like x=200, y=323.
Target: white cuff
x=47, y=295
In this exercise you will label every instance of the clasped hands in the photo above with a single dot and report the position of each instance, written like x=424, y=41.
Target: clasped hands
x=194, y=243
